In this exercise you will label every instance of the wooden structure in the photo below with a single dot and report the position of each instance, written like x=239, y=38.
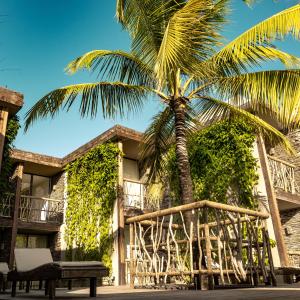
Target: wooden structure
x=223, y=245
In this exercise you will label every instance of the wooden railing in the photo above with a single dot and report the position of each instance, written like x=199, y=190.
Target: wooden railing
x=33, y=209
x=6, y=205
x=197, y=242
x=283, y=175
x=40, y=209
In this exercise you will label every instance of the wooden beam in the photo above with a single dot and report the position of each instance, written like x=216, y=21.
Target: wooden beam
x=132, y=267
x=195, y=205
x=3, y=125
x=18, y=178
x=273, y=205
x=121, y=219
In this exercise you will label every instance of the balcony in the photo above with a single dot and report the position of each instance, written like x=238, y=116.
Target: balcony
x=283, y=175
x=134, y=192
x=33, y=209
x=285, y=183
x=135, y=196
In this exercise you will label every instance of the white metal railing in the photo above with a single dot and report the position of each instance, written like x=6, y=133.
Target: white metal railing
x=134, y=192
x=40, y=209
x=283, y=175
x=6, y=201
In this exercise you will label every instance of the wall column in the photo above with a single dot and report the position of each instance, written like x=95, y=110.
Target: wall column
x=18, y=178
x=272, y=201
x=3, y=125
x=121, y=220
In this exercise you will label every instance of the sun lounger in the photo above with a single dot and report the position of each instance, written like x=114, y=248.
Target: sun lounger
x=37, y=264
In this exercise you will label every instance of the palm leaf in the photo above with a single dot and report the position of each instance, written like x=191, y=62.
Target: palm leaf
x=157, y=140
x=159, y=137
x=144, y=21
x=274, y=93
x=114, y=65
x=114, y=98
x=244, y=51
x=190, y=37
x=213, y=110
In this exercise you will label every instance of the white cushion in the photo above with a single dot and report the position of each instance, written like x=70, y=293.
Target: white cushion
x=4, y=268
x=29, y=259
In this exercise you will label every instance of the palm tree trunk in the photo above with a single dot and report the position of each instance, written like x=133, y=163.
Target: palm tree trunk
x=185, y=178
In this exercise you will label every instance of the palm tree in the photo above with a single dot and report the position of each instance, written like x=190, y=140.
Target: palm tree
x=175, y=57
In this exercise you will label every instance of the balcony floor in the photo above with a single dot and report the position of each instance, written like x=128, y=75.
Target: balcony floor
x=288, y=292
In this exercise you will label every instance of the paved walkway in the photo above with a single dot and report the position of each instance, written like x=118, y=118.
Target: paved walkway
x=291, y=292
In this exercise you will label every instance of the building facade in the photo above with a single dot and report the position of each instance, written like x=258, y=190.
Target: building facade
x=34, y=216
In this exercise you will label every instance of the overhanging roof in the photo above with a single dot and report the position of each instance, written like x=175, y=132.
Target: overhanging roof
x=11, y=100
x=48, y=165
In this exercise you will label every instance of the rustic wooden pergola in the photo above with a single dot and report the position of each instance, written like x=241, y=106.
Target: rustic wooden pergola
x=222, y=245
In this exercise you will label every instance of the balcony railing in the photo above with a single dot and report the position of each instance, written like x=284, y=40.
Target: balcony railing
x=6, y=205
x=135, y=196
x=134, y=192
x=42, y=210
x=33, y=209
x=283, y=175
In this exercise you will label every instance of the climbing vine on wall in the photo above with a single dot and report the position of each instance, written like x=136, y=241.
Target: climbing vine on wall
x=91, y=192
x=12, y=129
x=222, y=164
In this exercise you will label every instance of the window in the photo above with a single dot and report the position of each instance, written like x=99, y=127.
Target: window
x=34, y=185
x=31, y=241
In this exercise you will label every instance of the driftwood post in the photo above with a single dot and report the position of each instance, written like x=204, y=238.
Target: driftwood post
x=131, y=256
x=208, y=251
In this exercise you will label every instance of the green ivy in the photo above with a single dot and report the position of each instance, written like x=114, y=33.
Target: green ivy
x=91, y=189
x=222, y=164
x=12, y=129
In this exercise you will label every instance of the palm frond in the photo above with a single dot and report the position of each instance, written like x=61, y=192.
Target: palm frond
x=212, y=110
x=114, y=98
x=159, y=137
x=144, y=21
x=114, y=65
x=244, y=49
x=190, y=37
x=273, y=93
x=157, y=140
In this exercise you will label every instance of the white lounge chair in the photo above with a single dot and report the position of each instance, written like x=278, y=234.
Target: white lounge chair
x=37, y=264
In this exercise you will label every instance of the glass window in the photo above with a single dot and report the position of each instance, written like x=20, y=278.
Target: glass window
x=37, y=241
x=34, y=185
x=31, y=241
x=131, y=169
x=26, y=184
x=21, y=241
x=40, y=186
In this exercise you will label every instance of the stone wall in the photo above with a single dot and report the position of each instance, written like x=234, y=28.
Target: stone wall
x=290, y=220
x=58, y=186
x=55, y=246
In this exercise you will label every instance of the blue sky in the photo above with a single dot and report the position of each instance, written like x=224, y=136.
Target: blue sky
x=40, y=37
